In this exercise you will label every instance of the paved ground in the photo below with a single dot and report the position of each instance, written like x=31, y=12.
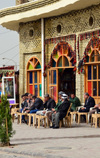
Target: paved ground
x=80, y=141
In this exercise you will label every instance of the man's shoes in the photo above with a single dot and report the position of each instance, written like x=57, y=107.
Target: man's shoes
x=52, y=126
x=23, y=121
x=56, y=127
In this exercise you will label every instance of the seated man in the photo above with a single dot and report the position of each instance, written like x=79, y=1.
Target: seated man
x=75, y=102
x=24, y=102
x=89, y=102
x=24, y=105
x=48, y=105
x=49, y=114
x=29, y=102
x=61, y=112
x=95, y=109
x=37, y=105
x=26, y=95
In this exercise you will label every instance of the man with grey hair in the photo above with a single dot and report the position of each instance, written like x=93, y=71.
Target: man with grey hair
x=61, y=112
x=89, y=103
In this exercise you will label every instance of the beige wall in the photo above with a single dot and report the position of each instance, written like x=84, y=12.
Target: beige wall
x=29, y=46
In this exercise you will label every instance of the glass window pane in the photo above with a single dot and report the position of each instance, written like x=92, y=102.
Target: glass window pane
x=53, y=63
x=31, y=77
x=35, y=76
x=36, y=90
x=60, y=62
x=94, y=72
x=66, y=62
x=94, y=88
x=54, y=77
x=35, y=61
x=99, y=88
x=97, y=56
x=49, y=77
x=87, y=59
x=38, y=66
x=98, y=71
x=89, y=73
x=40, y=76
x=30, y=67
x=40, y=93
x=31, y=89
x=92, y=57
x=90, y=88
x=53, y=92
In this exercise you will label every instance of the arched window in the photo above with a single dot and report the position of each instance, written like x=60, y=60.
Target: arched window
x=92, y=69
x=34, y=77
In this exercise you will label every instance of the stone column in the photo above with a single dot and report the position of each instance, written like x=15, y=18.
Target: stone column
x=79, y=82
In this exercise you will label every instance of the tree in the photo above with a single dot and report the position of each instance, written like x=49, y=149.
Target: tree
x=6, y=130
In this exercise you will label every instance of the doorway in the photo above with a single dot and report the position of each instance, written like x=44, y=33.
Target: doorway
x=66, y=81
x=62, y=79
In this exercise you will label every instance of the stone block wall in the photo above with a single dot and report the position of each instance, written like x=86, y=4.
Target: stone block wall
x=30, y=45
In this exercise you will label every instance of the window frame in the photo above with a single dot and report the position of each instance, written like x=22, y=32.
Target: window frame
x=34, y=62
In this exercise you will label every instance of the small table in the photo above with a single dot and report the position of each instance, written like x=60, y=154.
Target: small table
x=94, y=119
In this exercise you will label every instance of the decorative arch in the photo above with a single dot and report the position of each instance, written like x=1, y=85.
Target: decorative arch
x=92, y=51
x=62, y=50
x=33, y=69
x=33, y=63
x=91, y=64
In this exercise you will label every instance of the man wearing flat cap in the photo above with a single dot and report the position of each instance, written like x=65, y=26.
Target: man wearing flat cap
x=61, y=112
x=49, y=114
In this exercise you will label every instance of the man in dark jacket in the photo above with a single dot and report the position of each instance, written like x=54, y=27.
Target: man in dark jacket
x=89, y=103
x=49, y=114
x=24, y=102
x=61, y=112
x=48, y=105
x=37, y=105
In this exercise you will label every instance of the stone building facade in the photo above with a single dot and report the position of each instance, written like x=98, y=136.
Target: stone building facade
x=74, y=29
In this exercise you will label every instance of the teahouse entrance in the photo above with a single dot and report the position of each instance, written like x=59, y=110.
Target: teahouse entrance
x=60, y=74
x=60, y=80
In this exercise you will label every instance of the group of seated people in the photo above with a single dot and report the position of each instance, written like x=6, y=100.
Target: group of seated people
x=56, y=112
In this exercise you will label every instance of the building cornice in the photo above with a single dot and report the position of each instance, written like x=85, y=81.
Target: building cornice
x=32, y=11
x=26, y=7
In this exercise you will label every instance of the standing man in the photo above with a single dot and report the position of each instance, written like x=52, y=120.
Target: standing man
x=75, y=102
